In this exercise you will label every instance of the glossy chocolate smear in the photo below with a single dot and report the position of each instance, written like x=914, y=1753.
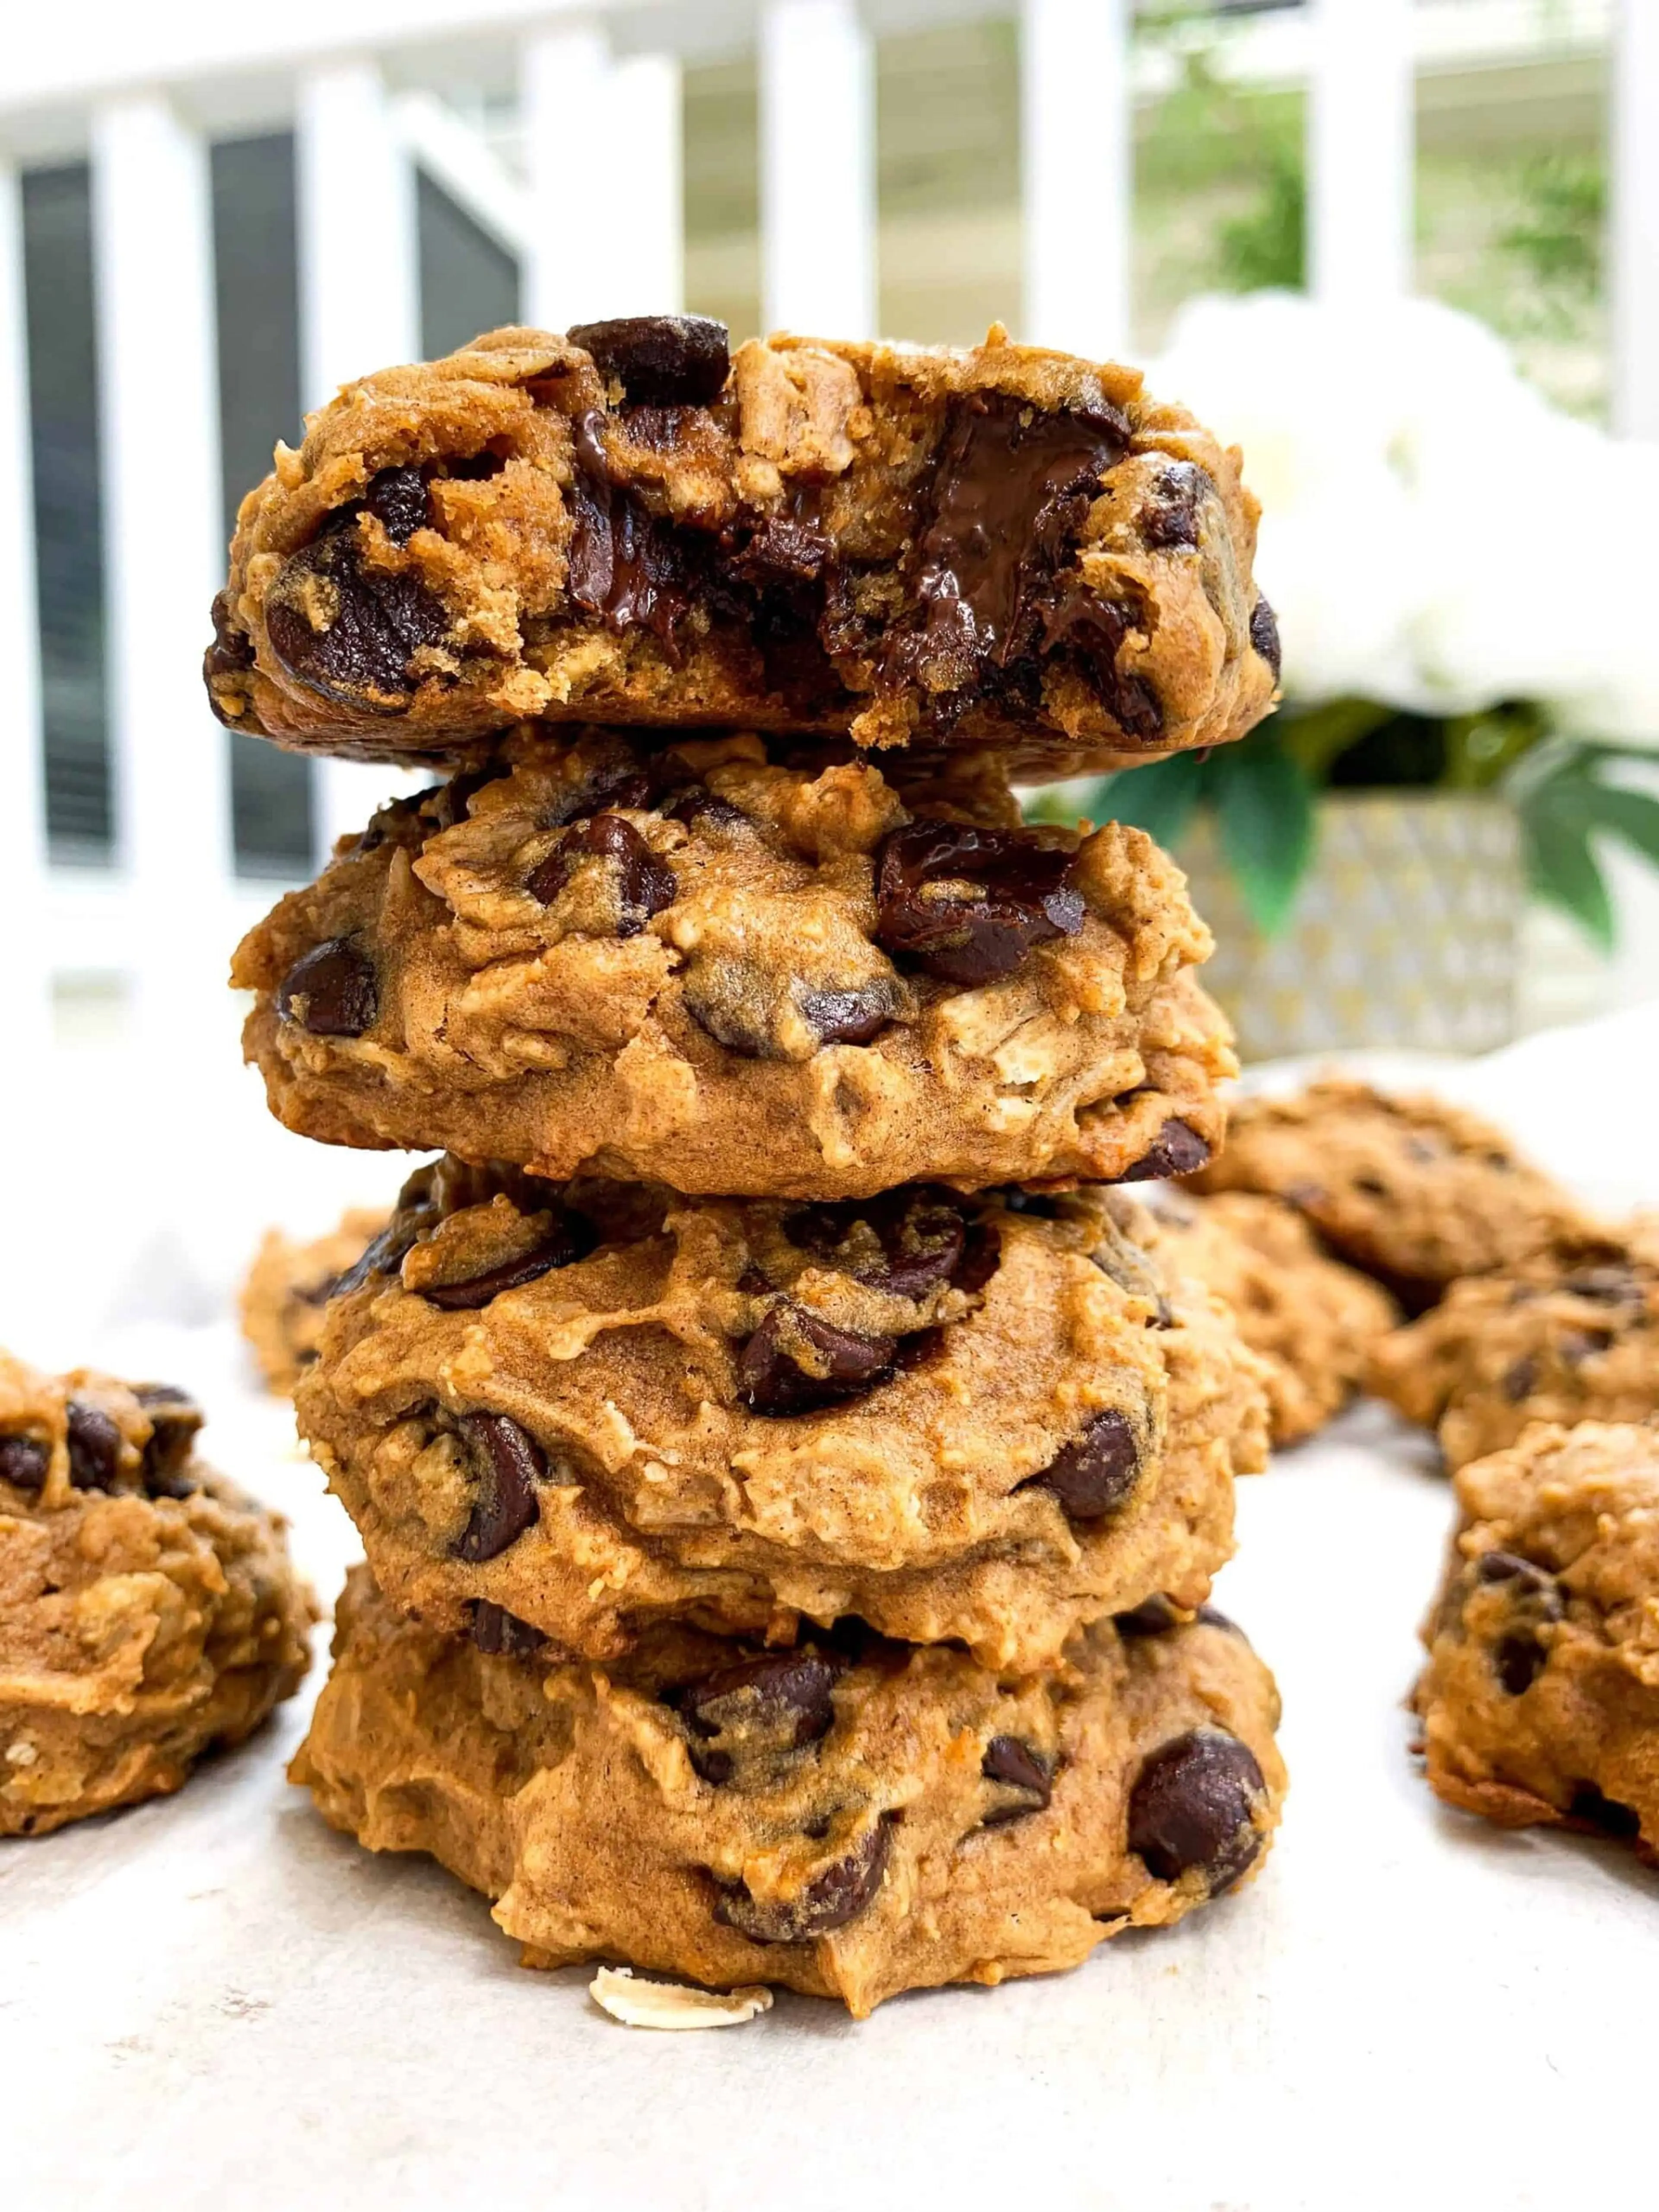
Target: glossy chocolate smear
x=1192, y=1808
x=795, y=1363
x=966, y=904
x=661, y=360
x=507, y=1465
x=627, y=569
x=839, y=1894
x=345, y=629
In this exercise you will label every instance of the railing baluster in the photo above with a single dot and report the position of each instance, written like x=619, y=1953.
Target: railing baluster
x=1076, y=163
x=1361, y=135
x=359, y=304
x=564, y=95
x=818, y=161
x=1635, y=224
x=158, y=417
x=25, y=974
x=646, y=190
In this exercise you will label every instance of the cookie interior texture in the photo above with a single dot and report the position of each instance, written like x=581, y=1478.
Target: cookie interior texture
x=997, y=545
x=1539, y=1701
x=287, y=1288
x=722, y=966
x=596, y=1405
x=850, y=1818
x=148, y=1610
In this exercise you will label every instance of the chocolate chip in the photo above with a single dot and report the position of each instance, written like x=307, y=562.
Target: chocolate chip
x=785, y=1698
x=1614, y=1285
x=1213, y=1616
x=794, y=1362
x=966, y=904
x=644, y=885
x=1535, y=1583
x=383, y=1255
x=507, y=1466
x=572, y=1238
x=1264, y=634
x=1097, y=1474
x=230, y=654
x=501, y=1634
x=1153, y=1616
x=661, y=361
x=626, y=567
x=331, y=990
x=839, y=1894
x=1591, y=1809
x=1010, y=1761
x=1169, y=518
x=95, y=1447
x=1576, y=1346
x=920, y=1234
x=848, y=1017
x=24, y=1461
x=1192, y=1808
x=346, y=630
x=453, y=801
x=1177, y=1150
x=699, y=808
x=1521, y=1379
x=397, y=498
x=1518, y=1660
x=174, y=1419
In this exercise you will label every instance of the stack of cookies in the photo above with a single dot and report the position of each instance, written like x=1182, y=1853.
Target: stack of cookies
x=791, y=1472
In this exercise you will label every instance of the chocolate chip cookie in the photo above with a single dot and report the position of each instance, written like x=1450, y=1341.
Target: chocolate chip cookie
x=998, y=545
x=710, y=967
x=287, y=1289
x=849, y=1818
x=1414, y=1192
x=986, y=1418
x=148, y=1612
x=1539, y=1702
x=1571, y=1335
x=1310, y=1321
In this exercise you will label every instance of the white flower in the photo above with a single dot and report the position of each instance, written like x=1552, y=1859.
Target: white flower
x=1434, y=533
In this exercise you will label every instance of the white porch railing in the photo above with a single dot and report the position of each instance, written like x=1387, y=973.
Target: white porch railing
x=594, y=218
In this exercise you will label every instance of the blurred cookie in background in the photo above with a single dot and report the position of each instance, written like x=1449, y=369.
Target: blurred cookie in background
x=286, y=1290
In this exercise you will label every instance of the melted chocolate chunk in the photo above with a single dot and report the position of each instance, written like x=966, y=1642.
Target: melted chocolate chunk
x=1264, y=636
x=347, y=630
x=397, y=498
x=332, y=991
x=501, y=1634
x=174, y=1419
x=24, y=1461
x=1192, y=1808
x=965, y=904
x=627, y=569
x=661, y=360
x=508, y=1464
x=839, y=1894
x=644, y=883
x=1016, y=1765
x=571, y=1238
x=1168, y=520
x=95, y=1447
x=922, y=1233
x=773, y=1380
x=1177, y=1150
x=1097, y=1474
x=785, y=1699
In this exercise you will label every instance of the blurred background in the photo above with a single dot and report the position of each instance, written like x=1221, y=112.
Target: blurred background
x=1407, y=252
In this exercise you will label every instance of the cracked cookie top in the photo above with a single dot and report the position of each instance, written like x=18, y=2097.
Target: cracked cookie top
x=996, y=545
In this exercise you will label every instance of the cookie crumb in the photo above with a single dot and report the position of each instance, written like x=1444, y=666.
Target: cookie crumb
x=672, y=2004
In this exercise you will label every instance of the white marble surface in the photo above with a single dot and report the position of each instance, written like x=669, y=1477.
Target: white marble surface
x=214, y=2002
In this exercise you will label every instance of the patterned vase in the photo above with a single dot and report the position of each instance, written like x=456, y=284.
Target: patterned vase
x=1406, y=933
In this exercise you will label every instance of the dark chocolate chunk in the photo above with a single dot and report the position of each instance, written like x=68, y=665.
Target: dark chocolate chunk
x=1520, y=1379
x=95, y=1447
x=24, y=1461
x=1168, y=520
x=453, y=801
x=501, y=1634
x=852, y=1017
x=1591, y=1809
x=383, y=1255
x=839, y=1894
x=1264, y=635
x=1097, y=1474
x=1535, y=1584
x=1192, y=1809
x=785, y=1698
x=507, y=1465
x=920, y=1234
x=174, y=1419
x=345, y=629
x=1153, y=1616
x=644, y=883
x=336, y=983
x=1177, y=1150
x=397, y=498
x=627, y=568
x=794, y=1362
x=1518, y=1660
x=965, y=904
x=571, y=1238
x=231, y=653
x=699, y=808
x=1576, y=1346
x=1010, y=1761
x=661, y=360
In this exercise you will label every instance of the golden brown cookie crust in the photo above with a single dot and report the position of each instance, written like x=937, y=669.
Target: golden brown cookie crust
x=729, y=1000
x=829, y=543
x=1311, y=1322
x=286, y=1289
x=650, y=1389
x=148, y=1610
x=578, y=1799
x=1539, y=1702
x=1571, y=1335
x=1411, y=1191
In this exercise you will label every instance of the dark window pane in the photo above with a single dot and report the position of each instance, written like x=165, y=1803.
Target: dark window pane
x=469, y=283
x=63, y=364
x=256, y=271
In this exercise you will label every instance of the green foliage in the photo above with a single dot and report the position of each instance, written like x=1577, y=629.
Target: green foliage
x=1267, y=248
x=1563, y=809
x=1558, y=237
x=1264, y=810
